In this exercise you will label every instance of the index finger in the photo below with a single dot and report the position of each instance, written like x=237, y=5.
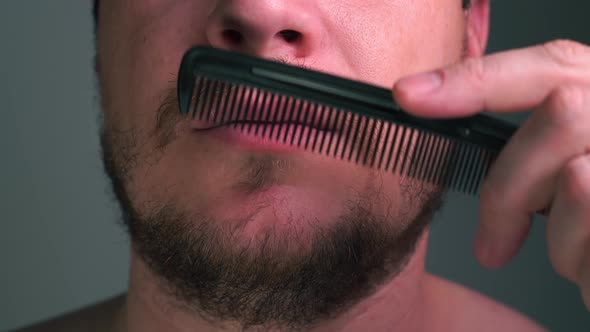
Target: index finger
x=509, y=81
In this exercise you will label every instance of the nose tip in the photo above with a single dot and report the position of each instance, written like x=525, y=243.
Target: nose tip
x=267, y=28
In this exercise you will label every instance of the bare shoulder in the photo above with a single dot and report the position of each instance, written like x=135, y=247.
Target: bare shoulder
x=98, y=317
x=461, y=309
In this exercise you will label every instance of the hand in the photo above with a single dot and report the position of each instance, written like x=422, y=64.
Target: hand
x=546, y=163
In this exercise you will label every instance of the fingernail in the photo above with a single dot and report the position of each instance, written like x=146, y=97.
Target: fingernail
x=421, y=84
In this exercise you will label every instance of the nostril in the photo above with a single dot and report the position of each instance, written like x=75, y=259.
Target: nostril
x=233, y=36
x=290, y=36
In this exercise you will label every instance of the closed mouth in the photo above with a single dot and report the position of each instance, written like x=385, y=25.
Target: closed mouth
x=244, y=106
x=263, y=124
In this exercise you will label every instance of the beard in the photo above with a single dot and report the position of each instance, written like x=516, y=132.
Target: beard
x=267, y=284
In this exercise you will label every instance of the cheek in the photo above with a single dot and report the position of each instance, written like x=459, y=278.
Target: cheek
x=140, y=55
x=394, y=39
x=432, y=36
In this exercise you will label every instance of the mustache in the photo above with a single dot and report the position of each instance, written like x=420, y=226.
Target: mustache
x=168, y=117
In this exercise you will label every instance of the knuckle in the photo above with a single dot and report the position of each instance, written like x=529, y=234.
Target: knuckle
x=570, y=96
x=567, y=106
x=567, y=52
x=576, y=181
x=476, y=70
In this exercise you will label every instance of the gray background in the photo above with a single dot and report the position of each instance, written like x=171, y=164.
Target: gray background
x=60, y=244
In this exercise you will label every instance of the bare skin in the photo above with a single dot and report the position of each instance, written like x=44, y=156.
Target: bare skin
x=140, y=44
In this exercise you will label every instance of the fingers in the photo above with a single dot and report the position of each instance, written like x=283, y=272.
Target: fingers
x=554, y=81
x=568, y=227
x=525, y=175
x=546, y=163
x=504, y=82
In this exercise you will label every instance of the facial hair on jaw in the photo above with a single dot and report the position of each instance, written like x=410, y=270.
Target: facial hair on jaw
x=260, y=286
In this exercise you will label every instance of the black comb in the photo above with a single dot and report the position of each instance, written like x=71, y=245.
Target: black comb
x=338, y=117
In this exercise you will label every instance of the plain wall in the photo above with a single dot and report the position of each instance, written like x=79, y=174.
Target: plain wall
x=61, y=246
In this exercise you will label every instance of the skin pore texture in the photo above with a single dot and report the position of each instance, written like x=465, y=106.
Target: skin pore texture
x=228, y=239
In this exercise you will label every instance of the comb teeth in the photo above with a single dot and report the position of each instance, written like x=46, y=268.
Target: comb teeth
x=340, y=133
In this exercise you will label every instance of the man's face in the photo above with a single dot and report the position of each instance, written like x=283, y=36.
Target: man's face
x=258, y=206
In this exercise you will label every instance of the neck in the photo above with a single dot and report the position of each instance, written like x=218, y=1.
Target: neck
x=399, y=305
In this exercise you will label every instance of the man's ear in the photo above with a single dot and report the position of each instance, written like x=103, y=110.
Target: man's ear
x=477, y=27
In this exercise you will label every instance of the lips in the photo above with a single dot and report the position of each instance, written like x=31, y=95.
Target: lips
x=251, y=107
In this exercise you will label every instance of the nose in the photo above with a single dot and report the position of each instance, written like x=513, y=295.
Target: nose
x=266, y=28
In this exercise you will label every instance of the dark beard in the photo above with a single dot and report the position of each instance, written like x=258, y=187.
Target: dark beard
x=264, y=286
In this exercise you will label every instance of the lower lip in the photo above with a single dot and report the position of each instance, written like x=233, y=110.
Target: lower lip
x=251, y=138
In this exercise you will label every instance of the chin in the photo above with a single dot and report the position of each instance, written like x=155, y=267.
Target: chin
x=278, y=212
